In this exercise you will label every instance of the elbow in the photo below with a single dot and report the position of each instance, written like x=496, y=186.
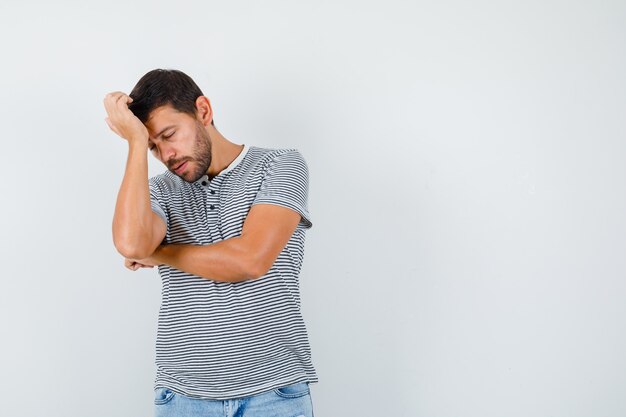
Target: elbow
x=257, y=268
x=131, y=243
x=131, y=251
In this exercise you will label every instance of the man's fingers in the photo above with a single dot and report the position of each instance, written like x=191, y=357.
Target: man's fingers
x=122, y=98
x=134, y=265
x=111, y=98
x=122, y=102
x=114, y=95
x=128, y=264
x=112, y=101
x=120, y=119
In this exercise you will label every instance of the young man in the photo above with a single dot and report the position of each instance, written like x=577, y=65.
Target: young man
x=225, y=225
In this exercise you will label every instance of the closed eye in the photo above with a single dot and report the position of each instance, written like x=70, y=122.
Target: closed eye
x=164, y=137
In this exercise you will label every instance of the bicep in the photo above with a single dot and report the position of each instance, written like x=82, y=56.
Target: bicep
x=267, y=229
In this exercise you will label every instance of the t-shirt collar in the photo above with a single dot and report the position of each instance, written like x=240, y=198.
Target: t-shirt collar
x=230, y=166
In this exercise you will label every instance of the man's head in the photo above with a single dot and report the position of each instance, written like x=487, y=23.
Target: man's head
x=175, y=112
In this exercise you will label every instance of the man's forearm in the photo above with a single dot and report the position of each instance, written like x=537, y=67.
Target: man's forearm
x=132, y=221
x=230, y=260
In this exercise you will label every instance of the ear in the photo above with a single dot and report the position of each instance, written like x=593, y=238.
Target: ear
x=203, y=110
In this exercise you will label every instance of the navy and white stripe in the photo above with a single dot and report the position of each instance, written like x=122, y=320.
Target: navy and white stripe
x=221, y=340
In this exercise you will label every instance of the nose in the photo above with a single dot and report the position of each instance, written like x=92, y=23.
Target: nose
x=167, y=153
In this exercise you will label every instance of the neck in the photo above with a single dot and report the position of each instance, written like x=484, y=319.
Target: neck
x=223, y=152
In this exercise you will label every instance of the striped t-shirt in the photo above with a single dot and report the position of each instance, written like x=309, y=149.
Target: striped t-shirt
x=222, y=340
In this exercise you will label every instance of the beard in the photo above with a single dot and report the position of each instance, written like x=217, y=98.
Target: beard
x=200, y=161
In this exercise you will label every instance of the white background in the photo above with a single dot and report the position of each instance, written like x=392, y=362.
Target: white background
x=467, y=195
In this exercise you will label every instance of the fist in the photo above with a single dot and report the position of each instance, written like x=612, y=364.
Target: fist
x=121, y=120
x=134, y=265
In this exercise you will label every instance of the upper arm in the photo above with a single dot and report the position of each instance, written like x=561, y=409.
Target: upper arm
x=286, y=183
x=279, y=207
x=266, y=231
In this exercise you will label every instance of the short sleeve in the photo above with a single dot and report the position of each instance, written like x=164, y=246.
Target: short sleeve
x=157, y=202
x=286, y=183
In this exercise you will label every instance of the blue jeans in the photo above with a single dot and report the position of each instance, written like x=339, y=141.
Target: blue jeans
x=289, y=401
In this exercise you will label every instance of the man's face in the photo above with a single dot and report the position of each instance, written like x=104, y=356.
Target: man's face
x=180, y=142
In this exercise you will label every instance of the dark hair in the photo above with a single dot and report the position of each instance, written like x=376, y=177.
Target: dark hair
x=164, y=86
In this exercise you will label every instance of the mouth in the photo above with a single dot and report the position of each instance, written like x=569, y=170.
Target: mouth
x=180, y=168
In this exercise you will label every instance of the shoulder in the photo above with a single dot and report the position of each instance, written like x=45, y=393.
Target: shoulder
x=265, y=157
x=165, y=182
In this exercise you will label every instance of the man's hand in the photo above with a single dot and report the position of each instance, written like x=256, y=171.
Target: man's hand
x=135, y=264
x=121, y=120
